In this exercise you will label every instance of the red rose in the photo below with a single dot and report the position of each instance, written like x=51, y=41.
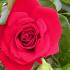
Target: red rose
x=32, y=32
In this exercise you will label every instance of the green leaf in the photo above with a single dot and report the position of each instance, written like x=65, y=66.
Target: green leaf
x=64, y=22
x=0, y=6
x=47, y=3
x=4, y=15
x=1, y=68
x=64, y=56
x=66, y=1
x=66, y=67
x=66, y=7
x=58, y=4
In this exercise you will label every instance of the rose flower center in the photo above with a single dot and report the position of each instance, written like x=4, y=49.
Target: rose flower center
x=28, y=37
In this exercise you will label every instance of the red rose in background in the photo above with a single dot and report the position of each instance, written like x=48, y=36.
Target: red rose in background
x=31, y=32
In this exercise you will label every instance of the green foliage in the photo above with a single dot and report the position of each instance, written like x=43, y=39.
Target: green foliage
x=57, y=4
x=47, y=3
x=66, y=1
x=66, y=7
x=64, y=57
x=1, y=68
x=1, y=3
x=66, y=67
x=0, y=6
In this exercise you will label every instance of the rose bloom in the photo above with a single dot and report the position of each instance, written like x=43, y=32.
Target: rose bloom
x=31, y=32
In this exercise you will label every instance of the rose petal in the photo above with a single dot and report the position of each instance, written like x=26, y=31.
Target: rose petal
x=10, y=65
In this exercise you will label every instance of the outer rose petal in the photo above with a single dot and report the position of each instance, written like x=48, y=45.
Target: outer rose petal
x=1, y=33
x=25, y=5
x=10, y=65
x=54, y=29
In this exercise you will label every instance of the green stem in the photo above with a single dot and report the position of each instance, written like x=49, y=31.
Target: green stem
x=68, y=13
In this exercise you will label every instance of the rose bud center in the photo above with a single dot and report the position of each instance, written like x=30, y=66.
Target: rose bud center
x=28, y=37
